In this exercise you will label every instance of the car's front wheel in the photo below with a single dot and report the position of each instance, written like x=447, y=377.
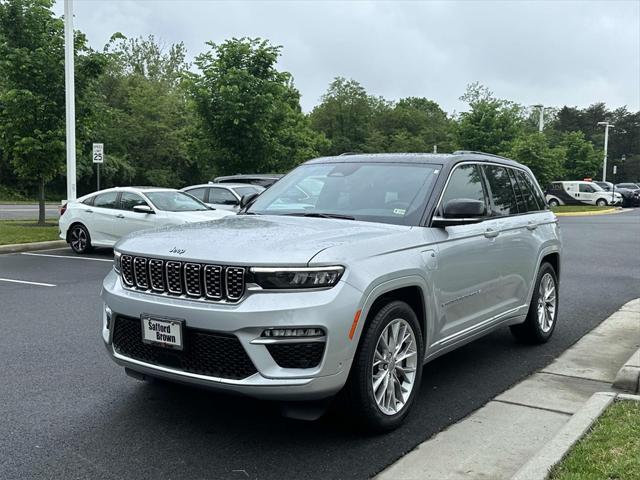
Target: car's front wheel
x=543, y=309
x=601, y=202
x=386, y=372
x=79, y=239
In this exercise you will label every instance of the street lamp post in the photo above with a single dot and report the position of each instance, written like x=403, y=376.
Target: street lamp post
x=69, y=85
x=541, y=117
x=607, y=126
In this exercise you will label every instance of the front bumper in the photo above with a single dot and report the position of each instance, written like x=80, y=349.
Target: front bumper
x=332, y=310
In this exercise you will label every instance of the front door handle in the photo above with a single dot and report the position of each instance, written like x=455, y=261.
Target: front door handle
x=532, y=226
x=491, y=233
x=119, y=216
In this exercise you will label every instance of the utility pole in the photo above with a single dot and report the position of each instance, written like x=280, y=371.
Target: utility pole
x=69, y=90
x=541, y=117
x=607, y=126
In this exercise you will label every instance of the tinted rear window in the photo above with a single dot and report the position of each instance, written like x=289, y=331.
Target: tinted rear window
x=502, y=194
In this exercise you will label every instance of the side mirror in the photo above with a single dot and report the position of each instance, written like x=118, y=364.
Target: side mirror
x=247, y=200
x=460, y=211
x=143, y=209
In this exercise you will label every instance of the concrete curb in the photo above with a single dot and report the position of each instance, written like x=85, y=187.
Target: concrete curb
x=628, y=378
x=585, y=214
x=28, y=247
x=554, y=451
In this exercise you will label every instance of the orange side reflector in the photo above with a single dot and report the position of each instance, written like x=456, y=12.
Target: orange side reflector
x=354, y=324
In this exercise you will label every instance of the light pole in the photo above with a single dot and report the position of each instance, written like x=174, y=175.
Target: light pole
x=607, y=126
x=69, y=90
x=541, y=117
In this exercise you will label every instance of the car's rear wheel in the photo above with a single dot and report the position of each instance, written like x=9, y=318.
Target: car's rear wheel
x=553, y=202
x=543, y=310
x=79, y=239
x=386, y=372
x=601, y=202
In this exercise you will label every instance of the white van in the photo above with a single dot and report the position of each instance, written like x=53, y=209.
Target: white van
x=576, y=193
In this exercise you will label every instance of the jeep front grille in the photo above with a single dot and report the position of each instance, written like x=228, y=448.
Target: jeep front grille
x=190, y=279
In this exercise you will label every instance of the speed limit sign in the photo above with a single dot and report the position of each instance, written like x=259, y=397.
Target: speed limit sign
x=98, y=152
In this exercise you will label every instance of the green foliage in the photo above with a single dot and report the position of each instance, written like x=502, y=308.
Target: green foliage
x=249, y=110
x=533, y=150
x=581, y=160
x=491, y=124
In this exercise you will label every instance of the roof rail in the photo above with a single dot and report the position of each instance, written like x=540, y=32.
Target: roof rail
x=475, y=152
x=348, y=153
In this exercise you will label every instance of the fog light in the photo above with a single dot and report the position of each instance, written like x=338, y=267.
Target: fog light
x=293, y=332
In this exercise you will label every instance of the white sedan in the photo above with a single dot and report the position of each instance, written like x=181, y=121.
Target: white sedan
x=101, y=218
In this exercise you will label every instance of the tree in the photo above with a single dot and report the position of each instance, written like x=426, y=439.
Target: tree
x=345, y=116
x=249, y=110
x=32, y=102
x=490, y=124
x=533, y=151
x=581, y=160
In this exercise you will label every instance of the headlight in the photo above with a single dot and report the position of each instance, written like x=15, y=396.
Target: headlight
x=294, y=278
x=117, y=256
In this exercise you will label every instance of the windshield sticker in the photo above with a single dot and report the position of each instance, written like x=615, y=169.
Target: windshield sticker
x=399, y=211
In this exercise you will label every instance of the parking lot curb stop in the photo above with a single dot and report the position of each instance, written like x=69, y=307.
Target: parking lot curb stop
x=28, y=247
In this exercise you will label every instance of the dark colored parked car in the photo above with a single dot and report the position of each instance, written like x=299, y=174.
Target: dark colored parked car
x=630, y=192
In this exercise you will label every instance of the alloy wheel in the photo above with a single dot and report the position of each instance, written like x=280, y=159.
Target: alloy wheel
x=547, y=301
x=394, y=366
x=78, y=239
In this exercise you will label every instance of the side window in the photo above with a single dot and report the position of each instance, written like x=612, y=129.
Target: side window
x=502, y=194
x=129, y=200
x=199, y=193
x=89, y=201
x=222, y=196
x=542, y=203
x=106, y=200
x=527, y=194
x=584, y=188
x=465, y=182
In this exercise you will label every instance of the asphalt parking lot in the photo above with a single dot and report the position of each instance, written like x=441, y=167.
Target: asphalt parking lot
x=68, y=412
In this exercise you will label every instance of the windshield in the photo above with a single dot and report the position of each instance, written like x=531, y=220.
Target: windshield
x=376, y=192
x=597, y=187
x=175, y=201
x=248, y=190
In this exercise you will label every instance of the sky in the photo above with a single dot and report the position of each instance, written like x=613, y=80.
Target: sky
x=546, y=52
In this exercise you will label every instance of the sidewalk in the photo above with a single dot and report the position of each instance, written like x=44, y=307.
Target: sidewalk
x=499, y=438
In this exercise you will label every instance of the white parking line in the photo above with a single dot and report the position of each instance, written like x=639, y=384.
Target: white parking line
x=67, y=256
x=28, y=283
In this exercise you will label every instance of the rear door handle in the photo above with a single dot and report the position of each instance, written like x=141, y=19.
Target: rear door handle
x=491, y=233
x=532, y=226
x=120, y=215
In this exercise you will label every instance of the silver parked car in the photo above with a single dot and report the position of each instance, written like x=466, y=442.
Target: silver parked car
x=397, y=259
x=225, y=196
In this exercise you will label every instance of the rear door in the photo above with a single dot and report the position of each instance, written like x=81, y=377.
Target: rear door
x=104, y=212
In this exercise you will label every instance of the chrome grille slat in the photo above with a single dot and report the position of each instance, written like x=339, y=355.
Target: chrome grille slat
x=140, y=272
x=186, y=279
x=192, y=279
x=126, y=266
x=156, y=275
x=213, y=282
x=234, y=282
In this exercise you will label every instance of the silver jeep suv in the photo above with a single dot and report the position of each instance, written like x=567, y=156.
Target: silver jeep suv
x=347, y=275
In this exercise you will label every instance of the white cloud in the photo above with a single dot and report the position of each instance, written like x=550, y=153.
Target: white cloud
x=550, y=52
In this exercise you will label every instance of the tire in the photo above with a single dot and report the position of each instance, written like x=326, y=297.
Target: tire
x=601, y=202
x=554, y=203
x=389, y=412
x=543, y=311
x=79, y=239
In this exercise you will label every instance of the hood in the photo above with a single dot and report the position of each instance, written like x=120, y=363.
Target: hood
x=254, y=240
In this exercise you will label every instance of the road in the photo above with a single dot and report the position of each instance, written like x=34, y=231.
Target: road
x=68, y=412
x=26, y=211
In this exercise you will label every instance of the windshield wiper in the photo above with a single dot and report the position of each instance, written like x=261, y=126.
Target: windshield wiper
x=321, y=215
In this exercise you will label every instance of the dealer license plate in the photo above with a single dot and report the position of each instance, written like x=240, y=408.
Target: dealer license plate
x=164, y=332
